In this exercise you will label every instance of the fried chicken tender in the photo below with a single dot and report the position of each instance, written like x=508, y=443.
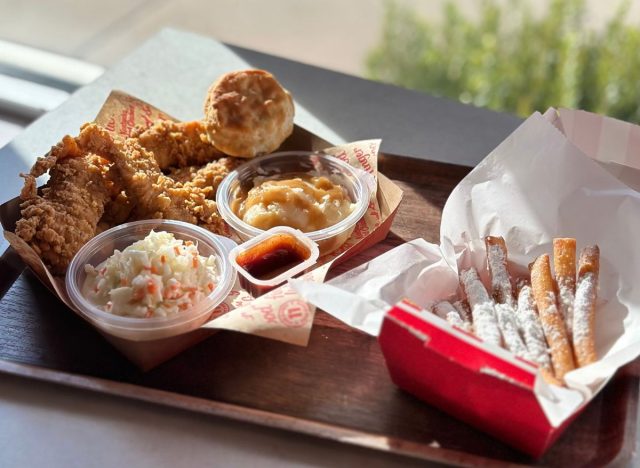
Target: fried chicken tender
x=177, y=144
x=61, y=220
x=154, y=194
x=248, y=113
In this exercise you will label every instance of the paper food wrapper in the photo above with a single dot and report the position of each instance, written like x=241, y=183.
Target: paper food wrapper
x=536, y=185
x=280, y=314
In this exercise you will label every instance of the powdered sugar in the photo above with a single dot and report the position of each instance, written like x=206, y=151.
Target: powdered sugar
x=500, y=281
x=552, y=333
x=485, y=323
x=509, y=329
x=473, y=287
x=463, y=309
x=582, y=307
x=565, y=300
x=448, y=312
x=529, y=323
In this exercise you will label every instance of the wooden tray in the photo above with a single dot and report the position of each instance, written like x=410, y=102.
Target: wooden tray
x=312, y=390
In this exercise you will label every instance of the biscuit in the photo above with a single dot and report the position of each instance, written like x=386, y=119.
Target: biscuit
x=248, y=113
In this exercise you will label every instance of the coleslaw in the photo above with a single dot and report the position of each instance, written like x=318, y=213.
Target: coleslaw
x=158, y=276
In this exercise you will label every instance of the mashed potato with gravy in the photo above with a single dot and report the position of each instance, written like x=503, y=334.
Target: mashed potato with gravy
x=304, y=202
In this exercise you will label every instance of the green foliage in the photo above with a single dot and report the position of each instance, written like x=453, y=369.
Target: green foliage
x=510, y=60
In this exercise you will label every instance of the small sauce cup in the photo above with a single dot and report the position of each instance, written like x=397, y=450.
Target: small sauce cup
x=271, y=258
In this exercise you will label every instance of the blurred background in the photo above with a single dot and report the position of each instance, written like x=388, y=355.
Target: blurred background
x=514, y=56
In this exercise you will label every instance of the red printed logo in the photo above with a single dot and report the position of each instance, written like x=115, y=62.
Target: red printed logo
x=222, y=309
x=294, y=314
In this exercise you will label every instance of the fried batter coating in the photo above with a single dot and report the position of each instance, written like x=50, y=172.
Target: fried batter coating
x=61, y=220
x=177, y=144
x=117, y=211
x=154, y=194
x=248, y=113
x=205, y=178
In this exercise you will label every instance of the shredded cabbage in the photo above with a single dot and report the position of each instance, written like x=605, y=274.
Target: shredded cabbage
x=158, y=276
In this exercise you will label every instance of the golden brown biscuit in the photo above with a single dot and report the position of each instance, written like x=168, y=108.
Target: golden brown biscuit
x=248, y=113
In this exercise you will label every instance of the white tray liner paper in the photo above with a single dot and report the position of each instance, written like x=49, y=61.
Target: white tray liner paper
x=536, y=185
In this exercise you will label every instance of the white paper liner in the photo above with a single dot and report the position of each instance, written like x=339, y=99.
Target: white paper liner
x=536, y=185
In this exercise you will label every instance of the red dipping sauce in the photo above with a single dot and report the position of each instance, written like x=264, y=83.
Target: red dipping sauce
x=271, y=258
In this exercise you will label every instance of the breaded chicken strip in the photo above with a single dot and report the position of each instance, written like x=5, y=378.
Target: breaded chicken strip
x=153, y=194
x=177, y=144
x=61, y=220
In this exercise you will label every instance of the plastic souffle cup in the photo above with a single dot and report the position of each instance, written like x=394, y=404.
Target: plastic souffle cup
x=275, y=255
x=359, y=184
x=102, y=247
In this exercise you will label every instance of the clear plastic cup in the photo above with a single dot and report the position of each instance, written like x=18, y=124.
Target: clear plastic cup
x=102, y=247
x=267, y=248
x=360, y=185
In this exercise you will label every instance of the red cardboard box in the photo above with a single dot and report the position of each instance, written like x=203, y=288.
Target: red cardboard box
x=454, y=370
x=535, y=186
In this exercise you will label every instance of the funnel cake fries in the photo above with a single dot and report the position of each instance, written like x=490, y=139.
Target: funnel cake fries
x=509, y=329
x=502, y=293
x=66, y=216
x=564, y=265
x=585, y=305
x=248, y=113
x=552, y=323
x=485, y=323
x=529, y=324
x=501, y=289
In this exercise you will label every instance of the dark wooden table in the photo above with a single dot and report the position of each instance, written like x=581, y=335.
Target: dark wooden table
x=337, y=388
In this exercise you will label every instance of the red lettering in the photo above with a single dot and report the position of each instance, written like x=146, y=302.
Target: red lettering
x=127, y=121
x=373, y=212
x=147, y=120
x=278, y=293
x=342, y=155
x=111, y=125
x=363, y=159
x=267, y=313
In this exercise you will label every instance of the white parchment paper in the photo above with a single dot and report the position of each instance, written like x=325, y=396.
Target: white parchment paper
x=536, y=185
